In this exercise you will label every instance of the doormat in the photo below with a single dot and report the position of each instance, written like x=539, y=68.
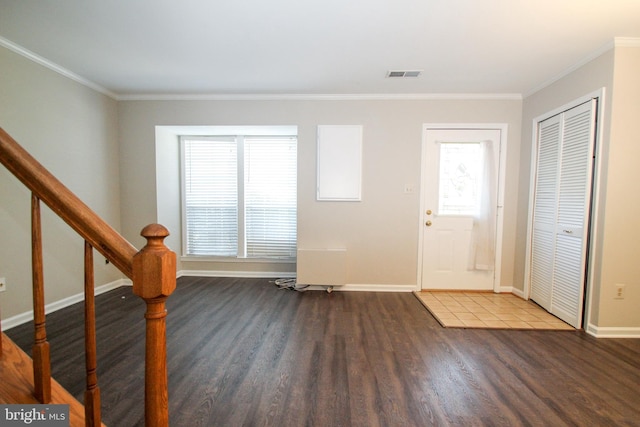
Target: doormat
x=460, y=309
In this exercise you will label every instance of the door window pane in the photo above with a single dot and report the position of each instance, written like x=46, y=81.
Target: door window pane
x=460, y=168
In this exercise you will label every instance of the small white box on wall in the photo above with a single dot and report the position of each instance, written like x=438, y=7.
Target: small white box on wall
x=326, y=267
x=339, y=173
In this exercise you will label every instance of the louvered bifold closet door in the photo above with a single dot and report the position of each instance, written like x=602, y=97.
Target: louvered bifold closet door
x=561, y=211
x=574, y=199
x=545, y=211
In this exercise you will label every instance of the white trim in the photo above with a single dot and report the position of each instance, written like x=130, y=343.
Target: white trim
x=616, y=42
x=250, y=97
x=519, y=293
x=229, y=130
x=208, y=258
x=356, y=287
x=626, y=41
x=503, y=128
x=526, y=288
x=322, y=97
x=363, y=287
x=612, y=332
x=246, y=274
x=55, y=67
x=597, y=186
x=595, y=197
x=25, y=317
x=502, y=181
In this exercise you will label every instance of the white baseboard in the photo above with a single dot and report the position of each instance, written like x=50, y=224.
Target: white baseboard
x=598, y=332
x=25, y=317
x=247, y=274
x=288, y=275
x=501, y=290
x=362, y=287
x=613, y=332
x=518, y=292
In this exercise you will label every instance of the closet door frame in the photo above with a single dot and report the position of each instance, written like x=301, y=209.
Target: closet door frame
x=593, y=243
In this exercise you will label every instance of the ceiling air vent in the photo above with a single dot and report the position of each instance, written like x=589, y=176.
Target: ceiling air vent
x=404, y=73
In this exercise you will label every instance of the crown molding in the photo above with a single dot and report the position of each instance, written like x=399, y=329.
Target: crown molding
x=54, y=67
x=626, y=41
x=322, y=97
x=252, y=97
x=615, y=42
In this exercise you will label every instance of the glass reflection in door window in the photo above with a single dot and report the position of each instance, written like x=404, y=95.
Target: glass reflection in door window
x=460, y=176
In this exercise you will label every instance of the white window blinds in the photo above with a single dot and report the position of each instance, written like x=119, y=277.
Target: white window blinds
x=211, y=196
x=240, y=196
x=270, y=197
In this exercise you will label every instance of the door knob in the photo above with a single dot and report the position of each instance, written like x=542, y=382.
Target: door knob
x=428, y=223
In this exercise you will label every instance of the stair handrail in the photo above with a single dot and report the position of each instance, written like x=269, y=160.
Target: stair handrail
x=152, y=269
x=66, y=204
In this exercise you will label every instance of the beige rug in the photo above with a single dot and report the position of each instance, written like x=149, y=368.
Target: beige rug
x=460, y=309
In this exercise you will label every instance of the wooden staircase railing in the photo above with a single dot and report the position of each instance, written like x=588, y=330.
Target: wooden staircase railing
x=152, y=269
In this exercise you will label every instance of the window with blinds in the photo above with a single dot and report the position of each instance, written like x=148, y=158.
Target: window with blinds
x=239, y=196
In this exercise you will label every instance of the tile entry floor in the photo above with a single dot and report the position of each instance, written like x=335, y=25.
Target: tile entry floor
x=461, y=309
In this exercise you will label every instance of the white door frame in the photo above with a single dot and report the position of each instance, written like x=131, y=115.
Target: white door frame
x=595, y=202
x=502, y=127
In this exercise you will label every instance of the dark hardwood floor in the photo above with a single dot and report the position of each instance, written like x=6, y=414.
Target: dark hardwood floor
x=244, y=353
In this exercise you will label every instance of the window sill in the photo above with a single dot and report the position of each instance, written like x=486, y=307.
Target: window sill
x=192, y=258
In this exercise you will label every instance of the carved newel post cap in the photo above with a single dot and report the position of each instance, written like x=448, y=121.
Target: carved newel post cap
x=154, y=267
x=154, y=231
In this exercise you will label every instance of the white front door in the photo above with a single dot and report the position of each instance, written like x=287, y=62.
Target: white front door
x=460, y=208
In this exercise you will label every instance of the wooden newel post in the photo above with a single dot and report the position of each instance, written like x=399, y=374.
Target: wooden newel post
x=154, y=279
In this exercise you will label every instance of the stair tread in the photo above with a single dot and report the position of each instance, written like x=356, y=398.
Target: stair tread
x=16, y=385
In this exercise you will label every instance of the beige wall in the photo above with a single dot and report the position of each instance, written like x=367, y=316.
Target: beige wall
x=105, y=151
x=615, y=250
x=621, y=235
x=380, y=232
x=593, y=76
x=116, y=159
x=72, y=131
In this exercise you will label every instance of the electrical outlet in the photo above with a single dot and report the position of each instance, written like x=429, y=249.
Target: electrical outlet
x=619, y=292
x=3, y=284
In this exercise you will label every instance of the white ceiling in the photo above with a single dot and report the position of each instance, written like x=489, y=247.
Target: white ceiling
x=283, y=47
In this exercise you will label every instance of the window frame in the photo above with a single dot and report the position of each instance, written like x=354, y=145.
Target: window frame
x=239, y=136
